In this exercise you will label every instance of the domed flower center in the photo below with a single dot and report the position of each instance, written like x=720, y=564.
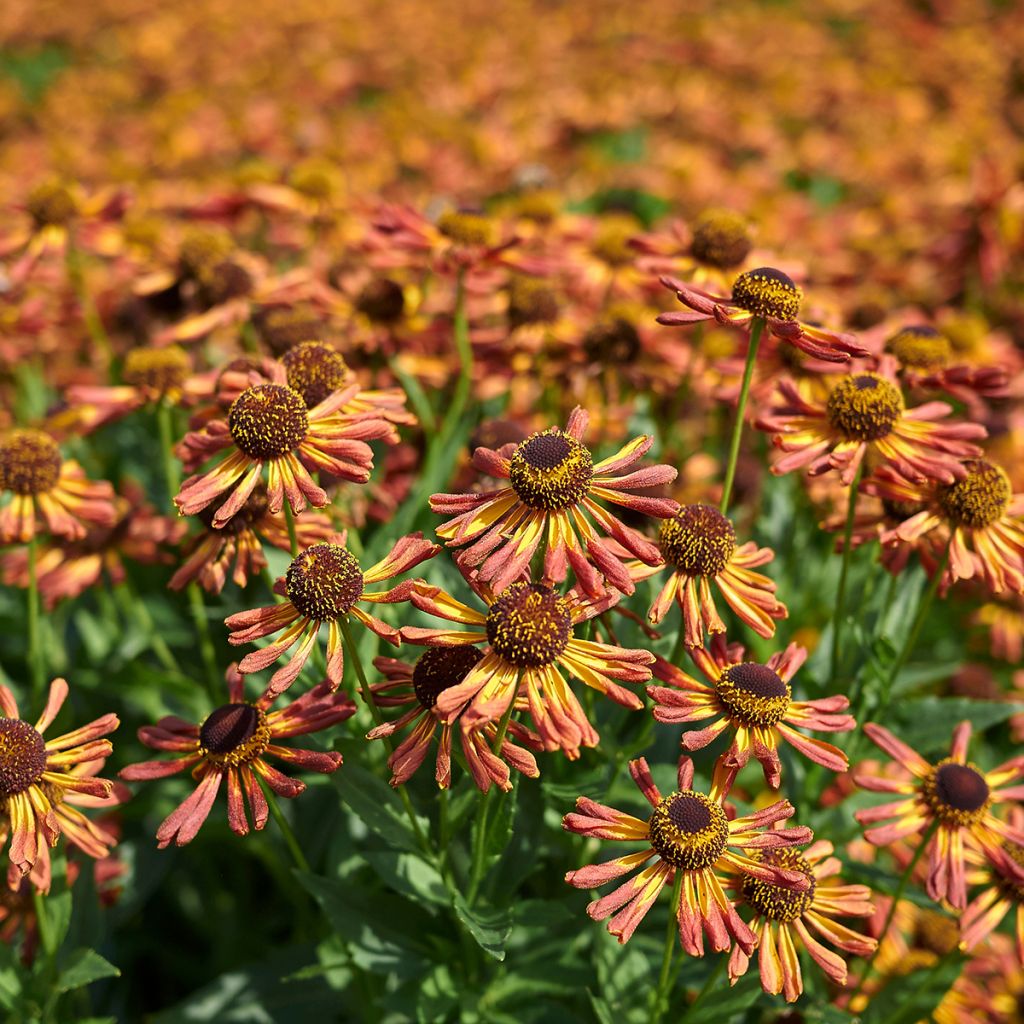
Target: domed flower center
x=612, y=343
x=254, y=509
x=315, y=178
x=51, y=204
x=158, y=370
x=721, y=239
x=234, y=734
x=531, y=301
x=1009, y=885
x=978, y=500
x=864, y=406
x=467, y=228
x=551, y=470
x=936, y=933
x=495, y=433
x=754, y=694
x=529, y=625
x=30, y=462
x=957, y=793
x=201, y=249
x=315, y=370
x=382, y=301
x=699, y=541
x=776, y=902
x=611, y=243
x=441, y=668
x=324, y=582
x=224, y=281
x=22, y=756
x=688, y=830
x=283, y=327
x=767, y=292
x=268, y=421
x=901, y=510
x=920, y=348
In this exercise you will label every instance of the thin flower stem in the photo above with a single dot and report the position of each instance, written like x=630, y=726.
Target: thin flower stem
x=756, y=327
x=206, y=648
x=671, y=933
x=709, y=984
x=286, y=830
x=172, y=475
x=293, y=538
x=897, y=895
x=680, y=645
x=840, y=611
x=378, y=719
x=49, y=947
x=36, y=655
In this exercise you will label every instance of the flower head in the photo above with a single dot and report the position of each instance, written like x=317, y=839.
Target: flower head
x=553, y=484
x=755, y=701
x=687, y=831
x=235, y=744
x=954, y=796
x=44, y=782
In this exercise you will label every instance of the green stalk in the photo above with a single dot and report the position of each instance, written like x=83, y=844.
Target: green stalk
x=709, y=984
x=840, y=610
x=671, y=933
x=287, y=831
x=293, y=538
x=206, y=648
x=756, y=327
x=172, y=476
x=36, y=655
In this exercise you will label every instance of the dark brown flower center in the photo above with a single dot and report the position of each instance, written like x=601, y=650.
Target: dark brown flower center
x=688, y=830
x=283, y=327
x=268, y=421
x=980, y=499
x=531, y=300
x=864, y=406
x=22, y=756
x=441, y=668
x=30, y=462
x=551, y=470
x=254, y=509
x=767, y=292
x=224, y=281
x=920, y=348
x=721, y=239
x=382, y=301
x=467, y=228
x=324, y=582
x=611, y=243
x=754, y=694
x=776, y=902
x=699, y=540
x=957, y=793
x=51, y=204
x=201, y=249
x=315, y=370
x=529, y=625
x=936, y=932
x=612, y=343
x=234, y=734
x=158, y=370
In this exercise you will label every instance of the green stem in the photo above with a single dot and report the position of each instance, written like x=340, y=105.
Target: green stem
x=206, y=648
x=680, y=645
x=464, y=349
x=172, y=474
x=49, y=947
x=756, y=327
x=897, y=896
x=134, y=606
x=293, y=538
x=840, y=610
x=709, y=984
x=43, y=924
x=286, y=830
x=671, y=932
x=36, y=655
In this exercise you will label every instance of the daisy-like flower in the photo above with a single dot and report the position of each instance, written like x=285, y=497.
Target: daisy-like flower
x=235, y=744
x=417, y=688
x=978, y=515
x=783, y=920
x=954, y=795
x=688, y=832
x=44, y=782
x=1000, y=873
x=865, y=416
x=43, y=487
x=753, y=700
x=699, y=544
x=528, y=628
x=553, y=487
x=763, y=294
x=323, y=583
x=210, y=554
x=270, y=425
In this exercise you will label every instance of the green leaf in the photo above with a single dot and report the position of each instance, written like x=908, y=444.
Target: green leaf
x=376, y=805
x=725, y=1002
x=438, y=995
x=927, y=722
x=911, y=998
x=490, y=927
x=85, y=966
x=410, y=875
x=34, y=70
